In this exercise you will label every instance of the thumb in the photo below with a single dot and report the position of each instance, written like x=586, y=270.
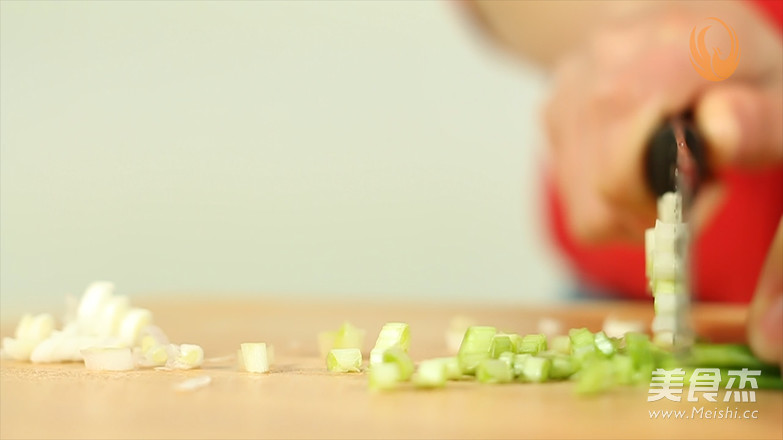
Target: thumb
x=765, y=317
x=741, y=124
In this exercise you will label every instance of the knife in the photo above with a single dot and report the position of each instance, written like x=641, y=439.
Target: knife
x=675, y=167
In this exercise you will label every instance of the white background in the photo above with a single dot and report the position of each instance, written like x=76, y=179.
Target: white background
x=370, y=149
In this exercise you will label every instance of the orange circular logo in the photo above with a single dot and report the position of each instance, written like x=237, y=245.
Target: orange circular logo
x=710, y=65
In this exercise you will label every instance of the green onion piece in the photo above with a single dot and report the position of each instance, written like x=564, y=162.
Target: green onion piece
x=604, y=344
x=475, y=347
x=582, y=343
x=430, y=374
x=500, y=344
x=532, y=344
x=723, y=356
x=349, y=336
x=494, y=371
x=516, y=340
x=452, y=367
x=396, y=355
x=519, y=364
x=392, y=333
x=384, y=376
x=561, y=344
x=624, y=372
x=639, y=347
x=642, y=354
x=536, y=369
x=344, y=360
x=595, y=377
x=507, y=357
x=562, y=367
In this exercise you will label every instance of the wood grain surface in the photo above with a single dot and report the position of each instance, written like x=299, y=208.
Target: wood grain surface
x=300, y=399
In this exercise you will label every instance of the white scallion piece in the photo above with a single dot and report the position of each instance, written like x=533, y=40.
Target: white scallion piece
x=430, y=374
x=132, y=324
x=187, y=356
x=193, y=384
x=255, y=357
x=108, y=359
x=108, y=318
x=31, y=331
x=670, y=208
x=92, y=302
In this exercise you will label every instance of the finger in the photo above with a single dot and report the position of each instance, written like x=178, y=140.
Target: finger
x=742, y=125
x=765, y=318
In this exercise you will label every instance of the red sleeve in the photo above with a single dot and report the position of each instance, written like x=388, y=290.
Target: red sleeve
x=772, y=9
x=729, y=252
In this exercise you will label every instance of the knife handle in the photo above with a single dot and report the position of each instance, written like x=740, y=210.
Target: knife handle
x=661, y=156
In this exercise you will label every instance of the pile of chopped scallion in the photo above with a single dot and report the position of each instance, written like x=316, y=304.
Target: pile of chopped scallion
x=595, y=362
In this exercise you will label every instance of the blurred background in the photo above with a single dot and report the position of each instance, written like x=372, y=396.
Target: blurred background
x=373, y=150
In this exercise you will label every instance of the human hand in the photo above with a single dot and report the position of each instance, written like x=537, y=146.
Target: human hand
x=611, y=94
x=765, y=318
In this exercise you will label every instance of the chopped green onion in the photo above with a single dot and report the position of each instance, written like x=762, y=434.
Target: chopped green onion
x=255, y=357
x=452, y=367
x=475, y=347
x=501, y=343
x=344, y=360
x=384, y=376
x=582, y=343
x=595, y=377
x=536, y=369
x=561, y=344
x=562, y=367
x=392, y=333
x=347, y=336
x=430, y=374
x=623, y=369
x=604, y=344
x=532, y=344
x=723, y=356
x=507, y=357
x=494, y=371
x=639, y=348
x=396, y=355
x=519, y=363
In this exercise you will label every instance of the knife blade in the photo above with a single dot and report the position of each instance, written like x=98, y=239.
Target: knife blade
x=676, y=167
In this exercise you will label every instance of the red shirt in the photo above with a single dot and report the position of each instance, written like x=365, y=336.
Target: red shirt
x=727, y=255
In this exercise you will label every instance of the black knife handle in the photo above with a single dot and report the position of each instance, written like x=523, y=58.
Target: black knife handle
x=661, y=157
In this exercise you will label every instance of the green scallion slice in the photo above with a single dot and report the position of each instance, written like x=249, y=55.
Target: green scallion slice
x=392, y=333
x=344, y=360
x=561, y=344
x=604, y=344
x=430, y=374
x=532, y=344
x=507, y=357
x=384, y=376
x=562, y=367
x=494, y=371
x=519, y=364
x=501, y=343
x=398, y=356
x=536, y=369
x=475, y=347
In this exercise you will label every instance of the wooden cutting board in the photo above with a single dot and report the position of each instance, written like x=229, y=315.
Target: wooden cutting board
x=300, y=399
